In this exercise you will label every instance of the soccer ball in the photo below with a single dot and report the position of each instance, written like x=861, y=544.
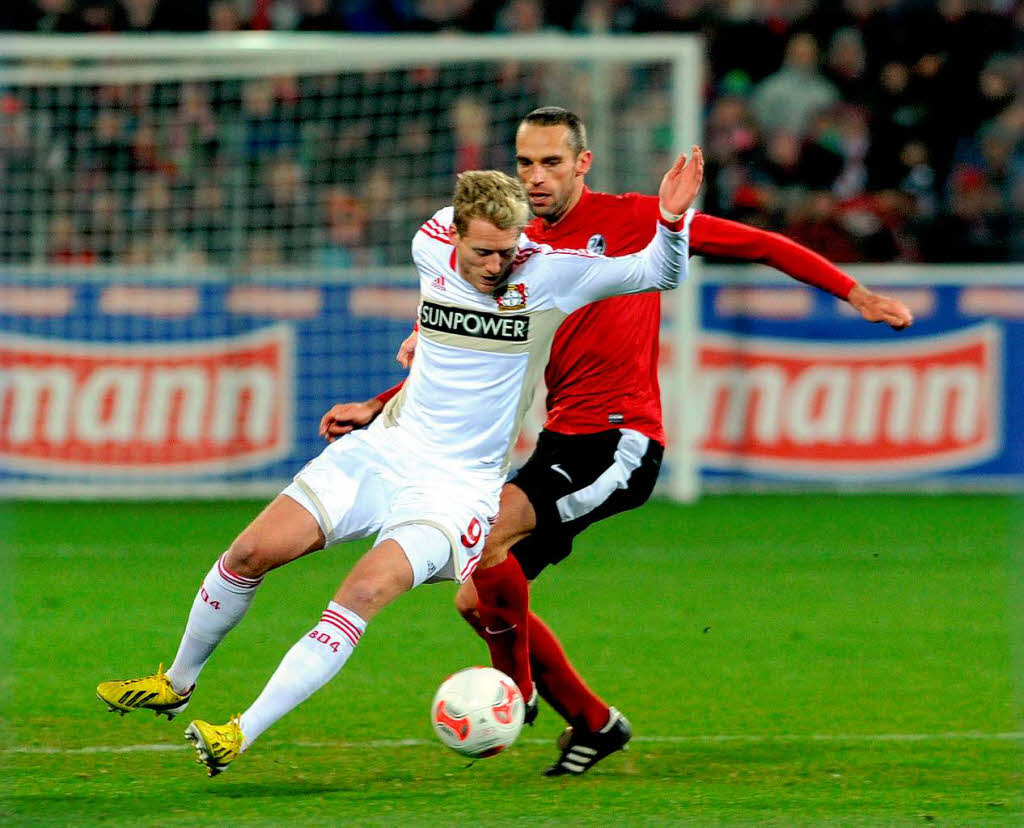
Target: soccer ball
x=477, y=712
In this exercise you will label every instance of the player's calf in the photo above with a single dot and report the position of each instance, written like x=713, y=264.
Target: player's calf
x=504, y=607
x=465, y=604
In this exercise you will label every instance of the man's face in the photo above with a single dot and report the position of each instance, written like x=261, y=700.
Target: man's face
x=484, y=253
x=548, y=168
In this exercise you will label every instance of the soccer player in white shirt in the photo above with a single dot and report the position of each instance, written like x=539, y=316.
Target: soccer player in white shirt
x=427, y=474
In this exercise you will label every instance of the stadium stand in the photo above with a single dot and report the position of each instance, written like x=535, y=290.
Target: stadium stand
x=870, y=131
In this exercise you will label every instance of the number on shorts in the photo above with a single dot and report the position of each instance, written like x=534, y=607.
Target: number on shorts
x=473, y=534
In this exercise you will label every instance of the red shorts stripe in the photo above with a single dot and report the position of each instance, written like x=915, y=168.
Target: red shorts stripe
x=467, y=570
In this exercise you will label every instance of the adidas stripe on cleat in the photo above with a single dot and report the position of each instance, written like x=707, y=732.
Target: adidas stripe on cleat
x=217, y=745
x=147, y=693
x=582, y=750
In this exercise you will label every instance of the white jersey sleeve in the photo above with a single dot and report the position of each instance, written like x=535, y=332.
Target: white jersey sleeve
x=431, y=238
x=578, y=278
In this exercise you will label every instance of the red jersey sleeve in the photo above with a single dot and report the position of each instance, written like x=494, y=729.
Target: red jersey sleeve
x=384, y=396
x=729, y=239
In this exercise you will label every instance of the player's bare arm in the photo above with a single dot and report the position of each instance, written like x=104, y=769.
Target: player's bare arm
x=874, y=307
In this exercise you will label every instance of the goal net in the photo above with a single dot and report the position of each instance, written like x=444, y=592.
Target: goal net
x=204, y=240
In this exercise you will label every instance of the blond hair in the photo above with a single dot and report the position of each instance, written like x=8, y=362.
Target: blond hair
x=492, y=196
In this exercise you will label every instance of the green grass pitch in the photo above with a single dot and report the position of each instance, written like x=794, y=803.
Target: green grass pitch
x=785, y=660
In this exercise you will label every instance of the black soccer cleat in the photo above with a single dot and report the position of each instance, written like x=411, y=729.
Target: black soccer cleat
x=582, y=750
x=531, y=709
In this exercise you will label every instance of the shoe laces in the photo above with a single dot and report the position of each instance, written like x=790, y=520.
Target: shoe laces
x=236, y=720
x=158, y=675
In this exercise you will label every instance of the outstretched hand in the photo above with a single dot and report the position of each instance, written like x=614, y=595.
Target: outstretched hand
x=680, y=185
x=874, y=307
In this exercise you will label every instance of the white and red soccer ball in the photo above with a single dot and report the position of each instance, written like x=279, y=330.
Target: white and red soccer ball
x=477, y=712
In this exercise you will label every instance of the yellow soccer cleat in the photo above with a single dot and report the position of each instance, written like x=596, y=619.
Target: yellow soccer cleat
x=217, y=745
x=146, y=693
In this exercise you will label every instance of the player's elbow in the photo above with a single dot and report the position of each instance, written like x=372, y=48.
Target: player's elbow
x=673, y=277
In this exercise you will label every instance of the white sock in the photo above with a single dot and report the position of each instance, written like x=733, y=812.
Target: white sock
x=313, y=661
x=221, y=602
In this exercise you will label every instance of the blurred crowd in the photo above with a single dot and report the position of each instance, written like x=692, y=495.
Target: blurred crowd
x=870, y=131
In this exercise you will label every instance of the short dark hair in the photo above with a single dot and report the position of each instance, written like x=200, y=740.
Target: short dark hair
x=559, y=116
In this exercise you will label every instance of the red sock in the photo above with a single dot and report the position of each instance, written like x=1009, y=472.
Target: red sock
x=559, y=684
x=504, y=606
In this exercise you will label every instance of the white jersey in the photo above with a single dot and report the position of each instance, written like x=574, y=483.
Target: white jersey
x=480, y=356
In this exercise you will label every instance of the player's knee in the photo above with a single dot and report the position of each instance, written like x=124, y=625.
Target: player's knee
x=465, y=604
x=493, y=554
x=368, y=594
x=248, y=557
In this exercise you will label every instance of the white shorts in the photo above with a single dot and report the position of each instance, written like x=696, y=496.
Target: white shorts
x=364, y=483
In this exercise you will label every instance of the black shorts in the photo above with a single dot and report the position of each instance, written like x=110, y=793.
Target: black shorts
x=574, y=480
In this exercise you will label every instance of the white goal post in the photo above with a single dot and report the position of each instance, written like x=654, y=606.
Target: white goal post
x=296, y=159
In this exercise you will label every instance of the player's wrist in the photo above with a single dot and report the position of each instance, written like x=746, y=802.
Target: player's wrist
x=673, y=221
x=669, y=217
x=856, y=294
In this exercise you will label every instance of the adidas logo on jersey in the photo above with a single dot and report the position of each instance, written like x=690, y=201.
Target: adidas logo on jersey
x=438, y=283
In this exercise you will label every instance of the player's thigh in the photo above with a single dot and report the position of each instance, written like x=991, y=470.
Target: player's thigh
x=626, y=480
x=279, y=534
x=610, y=472
x=516, y=519
x=379, y=577
x=563, y=465
x=628, y=486
x=347, y=488
x=442, y=528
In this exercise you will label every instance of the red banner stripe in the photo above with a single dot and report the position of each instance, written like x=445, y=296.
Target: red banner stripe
x=173, y=408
